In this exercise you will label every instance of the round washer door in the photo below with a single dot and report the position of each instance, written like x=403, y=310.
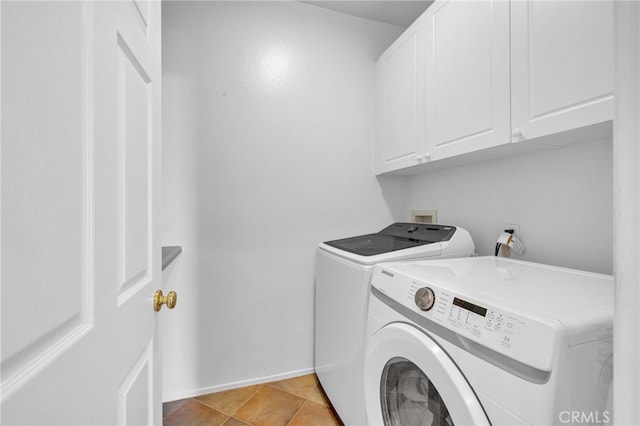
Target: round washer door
x=410, y=380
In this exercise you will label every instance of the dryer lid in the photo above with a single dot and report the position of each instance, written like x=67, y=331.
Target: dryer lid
x=397, y=236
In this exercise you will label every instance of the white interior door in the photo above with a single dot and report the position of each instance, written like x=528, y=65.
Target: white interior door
x=80, y=244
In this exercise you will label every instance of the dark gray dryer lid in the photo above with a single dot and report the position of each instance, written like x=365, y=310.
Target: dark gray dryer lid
x=394, y=237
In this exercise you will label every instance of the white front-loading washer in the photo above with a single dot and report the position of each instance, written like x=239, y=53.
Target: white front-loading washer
x=488, y=340
x=343, y=275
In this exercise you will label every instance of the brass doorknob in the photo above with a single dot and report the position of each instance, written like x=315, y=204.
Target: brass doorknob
x=159, y=299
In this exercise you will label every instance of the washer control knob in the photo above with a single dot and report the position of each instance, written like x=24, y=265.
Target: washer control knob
x=425, y=298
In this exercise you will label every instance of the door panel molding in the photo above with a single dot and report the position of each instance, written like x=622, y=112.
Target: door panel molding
x=142, y=6
x=46, y=320
x=135, y=156
x=137, y=386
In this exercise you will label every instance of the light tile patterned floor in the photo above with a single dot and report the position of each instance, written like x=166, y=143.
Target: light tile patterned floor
x=292, y=402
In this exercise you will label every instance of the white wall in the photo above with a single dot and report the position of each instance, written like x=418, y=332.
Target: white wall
x=562, y=199
x=268, y=128
x=626, y=204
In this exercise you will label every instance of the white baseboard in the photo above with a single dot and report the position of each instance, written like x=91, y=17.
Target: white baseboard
x=182, y=394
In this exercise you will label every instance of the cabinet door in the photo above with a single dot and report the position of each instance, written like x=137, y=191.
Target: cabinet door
x=562, y=66
x=400, y=103
x=467, y=66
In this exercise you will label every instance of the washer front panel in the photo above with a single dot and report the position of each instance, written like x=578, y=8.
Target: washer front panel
x=510, y=365
x=399, y=340
x=528, y=341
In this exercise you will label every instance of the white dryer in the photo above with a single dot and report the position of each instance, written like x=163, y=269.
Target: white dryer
x=488, y=340
x=343, y=275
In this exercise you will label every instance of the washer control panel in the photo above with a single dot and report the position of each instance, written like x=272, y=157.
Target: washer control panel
x=479, y=321
x=525, y=339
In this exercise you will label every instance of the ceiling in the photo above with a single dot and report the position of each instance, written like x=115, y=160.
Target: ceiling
x=397, y=12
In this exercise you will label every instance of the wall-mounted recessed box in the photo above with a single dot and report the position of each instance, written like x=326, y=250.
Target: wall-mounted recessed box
x=424, y=216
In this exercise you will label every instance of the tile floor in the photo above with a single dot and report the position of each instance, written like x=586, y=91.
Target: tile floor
x=292, y=402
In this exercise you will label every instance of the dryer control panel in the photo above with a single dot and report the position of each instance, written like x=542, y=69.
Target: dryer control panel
x=527, y=340
x=478, y=321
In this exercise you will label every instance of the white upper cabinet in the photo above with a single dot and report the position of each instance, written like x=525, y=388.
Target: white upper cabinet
x=561, y=66
x=400, y=102
x=467, y=65
x=468, y=76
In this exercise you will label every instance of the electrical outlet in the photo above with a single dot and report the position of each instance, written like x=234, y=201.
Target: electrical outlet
x=516, y=229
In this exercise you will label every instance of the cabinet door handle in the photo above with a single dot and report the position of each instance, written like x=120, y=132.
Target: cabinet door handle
x=516, y=133
x=419, y=158
x=427, y=156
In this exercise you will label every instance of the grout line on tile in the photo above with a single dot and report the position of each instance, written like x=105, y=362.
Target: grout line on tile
x=211, y=408
x=258, y=387
x=297, y=411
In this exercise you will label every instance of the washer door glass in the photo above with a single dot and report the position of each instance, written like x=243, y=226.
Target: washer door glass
x=407, y=376
x=409, y=398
